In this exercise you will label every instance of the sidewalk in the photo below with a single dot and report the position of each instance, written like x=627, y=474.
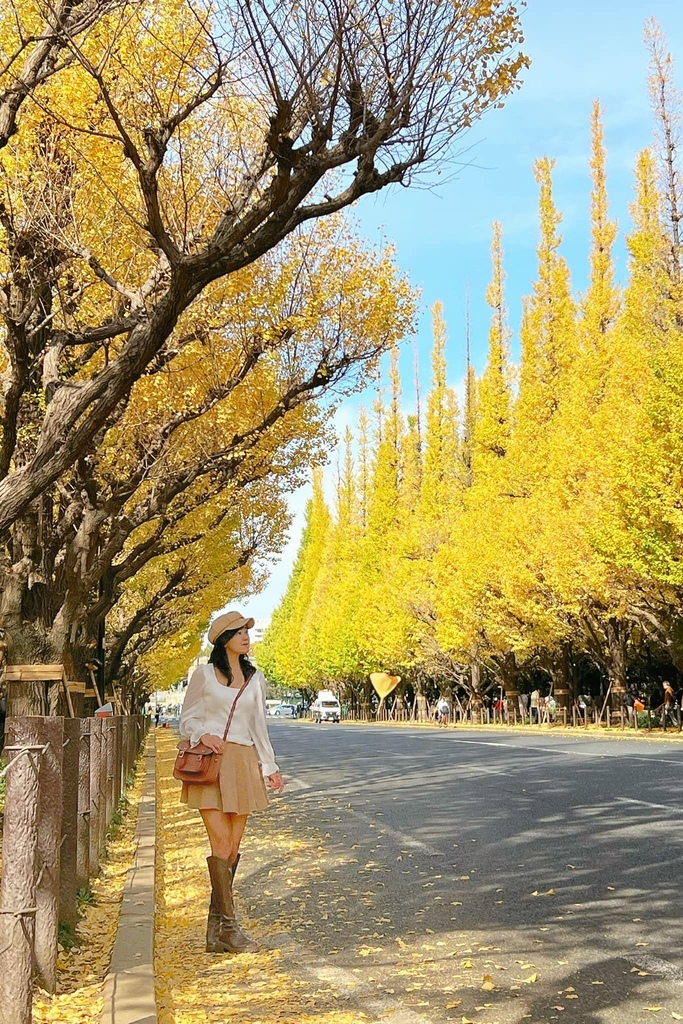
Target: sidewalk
x=129, y=988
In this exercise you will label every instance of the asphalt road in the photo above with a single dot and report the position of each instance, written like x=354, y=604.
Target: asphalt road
x=550, y=865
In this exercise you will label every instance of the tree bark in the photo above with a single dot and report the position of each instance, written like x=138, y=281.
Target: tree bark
x=508, y=672
x=557, y=663
x=27, y=699
x=475, y=683
x=45, y=732
x=18, y=888
x=421, y=703
x=617, y=634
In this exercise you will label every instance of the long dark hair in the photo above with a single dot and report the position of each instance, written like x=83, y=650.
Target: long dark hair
x=219, y=657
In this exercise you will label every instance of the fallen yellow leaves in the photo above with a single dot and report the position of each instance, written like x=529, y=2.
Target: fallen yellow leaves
x=81, y=974
x=194, y=987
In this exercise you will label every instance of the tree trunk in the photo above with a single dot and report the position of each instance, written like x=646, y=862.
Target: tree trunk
x=44, y=731
x=27, y=700
x=476, y=683
x=366, y=699
x=557, y=664
x=617, y=638
x=18, y=891
x=508, y=672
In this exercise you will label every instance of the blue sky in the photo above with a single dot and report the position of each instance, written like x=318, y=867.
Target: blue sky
x=580, y=51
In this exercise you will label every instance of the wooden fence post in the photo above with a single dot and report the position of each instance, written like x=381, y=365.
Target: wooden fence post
x=68, y=889
x=83, y=827
x=47, y=732
x=103, y=785
x=96, y=797
x=18, y=889
x=128, y=745
x=110, y=747
x=118, y=766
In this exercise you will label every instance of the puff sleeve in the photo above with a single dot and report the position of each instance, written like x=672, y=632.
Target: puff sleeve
x=259, y=731
x=191, y=726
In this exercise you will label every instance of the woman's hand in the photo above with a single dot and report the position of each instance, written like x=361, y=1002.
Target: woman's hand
x=276, y=782
x=214, y=742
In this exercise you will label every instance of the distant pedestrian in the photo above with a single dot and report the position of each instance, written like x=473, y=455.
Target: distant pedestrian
x=584, y=703
x=668, y=705
x=443, y=709
x=524, y=705
x=157, y=716
x=535, y=704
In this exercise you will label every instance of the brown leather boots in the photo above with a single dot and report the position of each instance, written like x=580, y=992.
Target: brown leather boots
x=223, y=934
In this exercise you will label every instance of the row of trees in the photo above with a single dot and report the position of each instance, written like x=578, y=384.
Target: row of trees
x=536, y=527
x=180, y=291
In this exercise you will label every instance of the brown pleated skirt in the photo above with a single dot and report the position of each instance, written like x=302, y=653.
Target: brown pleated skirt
x=240, y=788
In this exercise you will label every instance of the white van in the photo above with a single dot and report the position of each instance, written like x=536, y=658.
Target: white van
x=326, y=708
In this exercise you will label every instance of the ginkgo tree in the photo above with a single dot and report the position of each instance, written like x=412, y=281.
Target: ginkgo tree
x=547, y=536
x=184, y=142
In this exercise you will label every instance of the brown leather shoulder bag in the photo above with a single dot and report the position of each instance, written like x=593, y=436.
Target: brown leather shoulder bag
x=200, y=764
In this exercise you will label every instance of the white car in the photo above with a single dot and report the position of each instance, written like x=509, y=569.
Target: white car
x=326, y=708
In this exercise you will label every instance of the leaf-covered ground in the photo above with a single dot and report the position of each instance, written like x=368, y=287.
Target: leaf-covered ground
x=194, y=987
x=82, y=972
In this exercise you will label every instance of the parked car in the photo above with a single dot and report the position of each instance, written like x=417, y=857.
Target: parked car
x=285, y=711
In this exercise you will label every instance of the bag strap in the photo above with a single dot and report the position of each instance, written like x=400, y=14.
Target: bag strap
x=234, y=705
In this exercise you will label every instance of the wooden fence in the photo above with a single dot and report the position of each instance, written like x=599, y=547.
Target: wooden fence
x=65, y=778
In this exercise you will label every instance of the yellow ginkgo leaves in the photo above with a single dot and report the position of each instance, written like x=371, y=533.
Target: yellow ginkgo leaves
x=81, y=973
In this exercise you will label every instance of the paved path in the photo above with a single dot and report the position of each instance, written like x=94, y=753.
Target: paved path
x=549, y=863
x=129, y=989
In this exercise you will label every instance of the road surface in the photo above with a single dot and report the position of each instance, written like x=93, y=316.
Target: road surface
x=481, y=876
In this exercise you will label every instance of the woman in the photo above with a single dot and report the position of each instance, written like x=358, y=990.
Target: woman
x=229, y=680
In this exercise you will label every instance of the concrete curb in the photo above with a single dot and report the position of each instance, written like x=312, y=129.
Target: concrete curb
x=129, y=988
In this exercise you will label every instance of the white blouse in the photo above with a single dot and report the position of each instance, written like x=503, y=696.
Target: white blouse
x=207, y=705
